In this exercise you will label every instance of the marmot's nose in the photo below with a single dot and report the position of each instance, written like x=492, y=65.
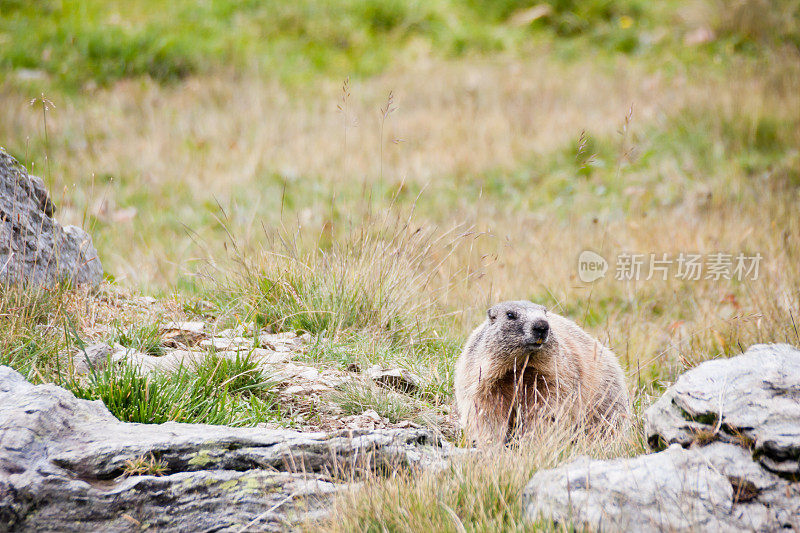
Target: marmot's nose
x=540, y=328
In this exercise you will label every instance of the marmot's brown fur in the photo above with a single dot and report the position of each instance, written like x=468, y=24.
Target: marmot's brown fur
x=525, y=364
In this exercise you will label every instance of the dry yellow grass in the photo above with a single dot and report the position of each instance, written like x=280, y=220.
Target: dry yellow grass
x=173, y=150
x=476, y=492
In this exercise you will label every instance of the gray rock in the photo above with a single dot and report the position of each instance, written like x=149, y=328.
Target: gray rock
x=34, y=248
x=292, y=372
x=63, y=463
x=237, y=339
x=678, y=483
x=225, y=343
x=712, y=488
x=172, y=360
x=752, y=399
x=733, y=429
x=759, y=496
x=92, y=358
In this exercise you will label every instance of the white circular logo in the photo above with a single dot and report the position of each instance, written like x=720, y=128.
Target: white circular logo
x=591, y=266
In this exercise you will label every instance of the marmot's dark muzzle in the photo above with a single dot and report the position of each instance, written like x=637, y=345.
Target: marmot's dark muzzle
x=540, y=330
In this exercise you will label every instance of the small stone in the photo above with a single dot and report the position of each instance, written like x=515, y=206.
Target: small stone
x=396, y=378
x=187, y=333
x=333, y=380
x=372, y=415
x=260, y=355
x=92, y=357
x=286, y=341
x=187, y=327
x=291, y=371
x=369, y=419
x=227, y=343
x=242, y=330
x=306, y=389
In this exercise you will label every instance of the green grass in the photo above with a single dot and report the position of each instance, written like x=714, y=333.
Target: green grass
x=371, y=279
x=711, y=145
x=34, y=328
x=76, y=42
x=145, y=338
x=216, y=391
x=38, y=327
x=354, y=399
x=480, y=492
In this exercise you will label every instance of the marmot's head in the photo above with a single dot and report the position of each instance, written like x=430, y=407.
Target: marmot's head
x=516, y=331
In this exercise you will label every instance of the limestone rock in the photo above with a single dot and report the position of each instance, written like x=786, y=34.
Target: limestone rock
x=228, y=343
x=753, y=399
x=34, y=248
x=174, y=359
x=240, y=338
x=733, y=429
x=63, y=463
x=292, y=372
x=669, y=491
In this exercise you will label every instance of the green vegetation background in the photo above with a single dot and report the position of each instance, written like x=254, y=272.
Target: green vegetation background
x=98, y=41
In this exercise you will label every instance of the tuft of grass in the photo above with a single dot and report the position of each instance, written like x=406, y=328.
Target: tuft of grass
x=143, y=338
x=239, y=375
x=144, y=465
x=431, y=359
x=387, y=279
x=355, y=398
x=704, y=436
x=477, y=492
x=214, y=392
x=32, y=328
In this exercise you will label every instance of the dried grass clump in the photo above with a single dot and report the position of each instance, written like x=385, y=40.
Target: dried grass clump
x=478, y=491
x=387, y=276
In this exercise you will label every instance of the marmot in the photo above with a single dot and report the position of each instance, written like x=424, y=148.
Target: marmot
x=525, y=364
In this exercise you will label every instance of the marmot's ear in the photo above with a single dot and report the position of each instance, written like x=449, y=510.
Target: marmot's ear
x=491, y=313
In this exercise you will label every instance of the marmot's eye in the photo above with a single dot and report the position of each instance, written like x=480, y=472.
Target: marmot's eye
x=511, y=315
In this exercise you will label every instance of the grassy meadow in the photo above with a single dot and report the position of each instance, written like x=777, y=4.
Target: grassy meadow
x=378, y=173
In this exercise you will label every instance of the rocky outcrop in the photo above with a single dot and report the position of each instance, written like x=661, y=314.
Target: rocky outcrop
x=34, y=248
x=68, y=464
x=752, y=400
x=187, y=344
x=731, y=428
